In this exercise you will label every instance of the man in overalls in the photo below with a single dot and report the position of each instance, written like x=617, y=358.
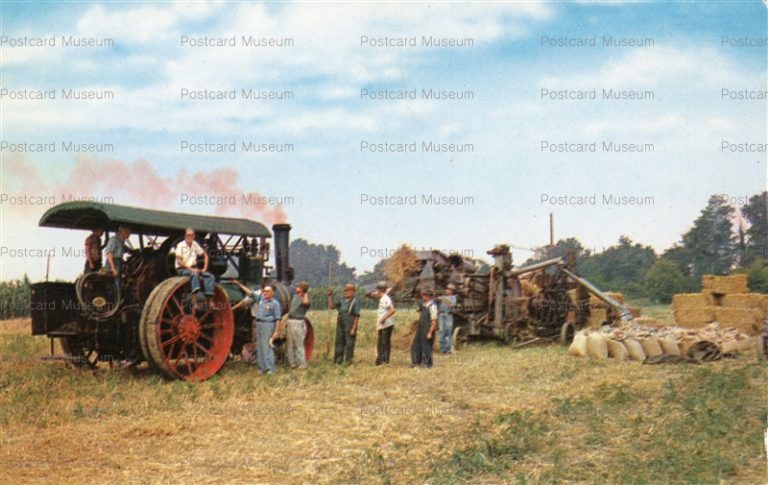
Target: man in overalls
x=346, y=324
x=421, y=349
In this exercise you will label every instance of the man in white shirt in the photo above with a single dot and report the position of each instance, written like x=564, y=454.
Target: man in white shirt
x=384, y=323
x=187, y=252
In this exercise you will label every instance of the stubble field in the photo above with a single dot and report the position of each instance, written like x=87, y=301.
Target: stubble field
x=486, y=414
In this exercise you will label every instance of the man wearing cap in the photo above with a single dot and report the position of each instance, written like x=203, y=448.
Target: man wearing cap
x=384, y=323
x=266, y=314
x=445, y=306
x=187, y=252
x=297, y=326
x=346, y=324
x=423, y=340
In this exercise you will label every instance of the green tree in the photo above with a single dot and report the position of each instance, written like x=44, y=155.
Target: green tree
x=625, y=262
x=310, y=263
x=374, y=275
x=709, y=246
x=663, y=280
x=621, y=267
x=559, y=250
x=755, y=211
x=757, y=276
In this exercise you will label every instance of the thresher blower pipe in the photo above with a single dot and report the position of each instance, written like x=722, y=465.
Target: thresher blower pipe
x=534, y=267
x=621, y=309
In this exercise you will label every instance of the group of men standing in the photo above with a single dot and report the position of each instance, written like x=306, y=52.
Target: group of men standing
x=435, y=318
x=267, y=314
x=435, y=314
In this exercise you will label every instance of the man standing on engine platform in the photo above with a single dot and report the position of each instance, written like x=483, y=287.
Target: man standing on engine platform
x=114, y=251
x=346, y=324
x=93, y=251
x=423, y=339
x=297, y=326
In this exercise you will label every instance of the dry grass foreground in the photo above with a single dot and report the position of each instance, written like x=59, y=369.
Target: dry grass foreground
x=487, y=414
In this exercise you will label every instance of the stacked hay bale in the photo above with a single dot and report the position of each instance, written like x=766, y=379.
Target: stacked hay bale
x=693, y=310
x=724, y=299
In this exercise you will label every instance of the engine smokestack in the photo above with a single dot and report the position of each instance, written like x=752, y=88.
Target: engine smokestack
x=283, y=270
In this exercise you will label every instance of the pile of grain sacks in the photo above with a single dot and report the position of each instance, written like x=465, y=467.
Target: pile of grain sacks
x=725, y=300
x=632, y=341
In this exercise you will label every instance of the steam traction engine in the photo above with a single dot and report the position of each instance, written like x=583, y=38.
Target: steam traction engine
x=150, y=314
x=545, y=301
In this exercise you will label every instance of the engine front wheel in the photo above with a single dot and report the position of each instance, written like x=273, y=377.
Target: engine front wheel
x=181, y=335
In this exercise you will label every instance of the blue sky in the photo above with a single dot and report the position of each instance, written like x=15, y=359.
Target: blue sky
x=505, y=175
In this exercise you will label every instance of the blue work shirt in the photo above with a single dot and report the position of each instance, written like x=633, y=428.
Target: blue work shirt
x=116, y=247
x=263, y=309
x=446, y=303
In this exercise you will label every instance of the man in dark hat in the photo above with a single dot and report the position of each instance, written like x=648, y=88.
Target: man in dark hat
x=346, y=324
x=423, y=340
x=384, y=323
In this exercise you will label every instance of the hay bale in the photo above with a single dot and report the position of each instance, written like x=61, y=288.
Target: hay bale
x=746, y=300
x=694, y=317
x=402, y=264
x=578, y=347
x=651, y=346
x=669, y=346
x=634, y=350
x=616, y=349
x=597, y=348
x=736, y=283
x=748, y=320
x=684, y=301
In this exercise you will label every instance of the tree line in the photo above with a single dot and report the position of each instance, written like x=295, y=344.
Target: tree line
x=723, y=239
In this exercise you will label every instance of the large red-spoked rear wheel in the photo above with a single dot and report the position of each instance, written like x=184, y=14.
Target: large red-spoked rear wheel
x=185, y=339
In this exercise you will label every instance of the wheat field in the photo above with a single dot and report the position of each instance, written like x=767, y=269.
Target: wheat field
x=486, y=414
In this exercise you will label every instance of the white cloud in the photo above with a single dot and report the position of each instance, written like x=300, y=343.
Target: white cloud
x=138, y=25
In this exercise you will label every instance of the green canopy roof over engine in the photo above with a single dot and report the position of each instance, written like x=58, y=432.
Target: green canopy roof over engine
x=94, y=215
